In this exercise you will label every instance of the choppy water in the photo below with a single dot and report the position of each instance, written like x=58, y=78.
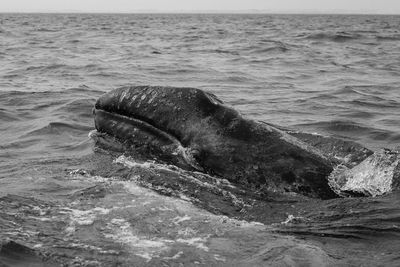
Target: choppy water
x=75, y=203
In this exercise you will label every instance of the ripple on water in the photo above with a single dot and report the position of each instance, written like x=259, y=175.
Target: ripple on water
x=336, y=75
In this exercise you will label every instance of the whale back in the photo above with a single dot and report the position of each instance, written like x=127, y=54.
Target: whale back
x=219, y=139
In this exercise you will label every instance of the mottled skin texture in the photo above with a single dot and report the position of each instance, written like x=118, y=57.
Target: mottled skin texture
x=222, y=142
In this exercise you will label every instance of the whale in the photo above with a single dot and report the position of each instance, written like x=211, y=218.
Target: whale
x=204, y=134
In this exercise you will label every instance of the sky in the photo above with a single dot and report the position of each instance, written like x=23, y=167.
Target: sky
x=268, y=6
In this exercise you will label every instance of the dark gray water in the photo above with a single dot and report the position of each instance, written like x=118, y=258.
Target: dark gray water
x=72, y=202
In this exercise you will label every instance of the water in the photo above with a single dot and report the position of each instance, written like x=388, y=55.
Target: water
x=72, y=202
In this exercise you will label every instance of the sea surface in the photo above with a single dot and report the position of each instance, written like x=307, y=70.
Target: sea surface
x=65, y=201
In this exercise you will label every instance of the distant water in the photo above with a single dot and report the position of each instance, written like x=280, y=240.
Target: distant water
x=75, y=203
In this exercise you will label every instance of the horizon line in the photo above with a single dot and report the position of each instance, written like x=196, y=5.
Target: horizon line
x=244, y=12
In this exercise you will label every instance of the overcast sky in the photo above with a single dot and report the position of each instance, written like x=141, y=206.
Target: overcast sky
x=279, y=6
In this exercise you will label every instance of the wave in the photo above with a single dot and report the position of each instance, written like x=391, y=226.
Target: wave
x=383, y=103
x=56, y=128
x=339, y=126
x=379, y=96
x=46, y=67
x=354, y=130
x=78, y=107
x=46, y=30
x=334, y=37
x=361, y=218
x=266, y=46
x=223, y=51
x=8, y=116
x=367, y=90
x=74, y=41
x=21, y=255
x=388, y=37
x=64, y=67
x=82, y=90
x=277, y=48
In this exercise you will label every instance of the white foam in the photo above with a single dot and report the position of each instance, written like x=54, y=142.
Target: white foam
x=40, y=210
x=178, y=219
x=239, y=223
x=37, y=246
x=82, y=217
x=185, y=198
x=176, y=256
x=43, y=219
x=292, y=219
x=126, y=161
x=121, y=231
x=187, y=232
x=92, y=134
x=219, y=258
x=163, y=208
x=130, y=163
x=198, y=242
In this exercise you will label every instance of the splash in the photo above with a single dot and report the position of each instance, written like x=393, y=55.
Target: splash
x=376, y=175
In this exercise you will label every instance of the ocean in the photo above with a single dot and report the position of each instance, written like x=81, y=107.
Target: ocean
x=66, y=201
